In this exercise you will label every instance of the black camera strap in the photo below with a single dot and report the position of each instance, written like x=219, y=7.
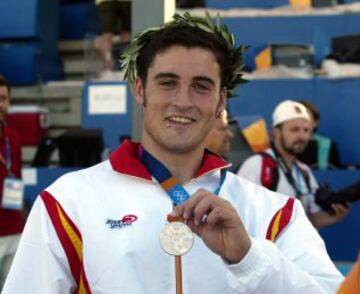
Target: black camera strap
x=288, y=174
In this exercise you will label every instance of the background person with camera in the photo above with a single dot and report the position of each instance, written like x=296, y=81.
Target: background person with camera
x=278, y=169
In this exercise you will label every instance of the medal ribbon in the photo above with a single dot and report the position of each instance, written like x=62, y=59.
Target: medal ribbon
x=8, y=156
x=7, y=160
x=170, y=184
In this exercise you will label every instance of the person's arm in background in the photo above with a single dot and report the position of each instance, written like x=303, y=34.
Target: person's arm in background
x=323, y=218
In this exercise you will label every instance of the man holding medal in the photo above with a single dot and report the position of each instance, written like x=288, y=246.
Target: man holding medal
x=11, y=198
x=114, y=228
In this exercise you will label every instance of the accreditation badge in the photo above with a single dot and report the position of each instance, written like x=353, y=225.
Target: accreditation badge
x=13, y=194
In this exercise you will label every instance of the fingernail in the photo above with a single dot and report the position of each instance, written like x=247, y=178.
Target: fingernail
x=204, y=218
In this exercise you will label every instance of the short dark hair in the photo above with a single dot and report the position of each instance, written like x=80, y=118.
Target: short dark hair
x=188, y=37
x=5, y=83
x=312, y=109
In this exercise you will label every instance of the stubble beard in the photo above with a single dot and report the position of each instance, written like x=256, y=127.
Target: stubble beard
x=291, y=148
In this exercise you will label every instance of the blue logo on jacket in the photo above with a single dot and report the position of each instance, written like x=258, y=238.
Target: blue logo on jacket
x=125, y=221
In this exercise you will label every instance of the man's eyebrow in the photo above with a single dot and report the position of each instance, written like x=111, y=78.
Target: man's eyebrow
x=175, y=76
x=161, y=75
x=205, y=79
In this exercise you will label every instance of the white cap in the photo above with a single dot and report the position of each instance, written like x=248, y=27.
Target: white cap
x=288, y=110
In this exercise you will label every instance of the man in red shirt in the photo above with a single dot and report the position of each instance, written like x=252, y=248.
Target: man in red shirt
x=11, y=220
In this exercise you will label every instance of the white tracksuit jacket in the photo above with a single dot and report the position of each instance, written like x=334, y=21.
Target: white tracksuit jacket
x=97, y=230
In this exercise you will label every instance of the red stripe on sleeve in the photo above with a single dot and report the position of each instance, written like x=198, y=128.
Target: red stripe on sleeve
x=76, y=265
x=286, y=213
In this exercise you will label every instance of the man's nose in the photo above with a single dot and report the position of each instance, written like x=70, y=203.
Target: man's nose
x=182, y=97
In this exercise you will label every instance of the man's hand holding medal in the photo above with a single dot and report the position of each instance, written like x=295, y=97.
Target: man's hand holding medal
x=217, y=223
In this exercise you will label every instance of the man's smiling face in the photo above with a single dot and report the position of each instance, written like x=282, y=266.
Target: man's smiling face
x=181, y=98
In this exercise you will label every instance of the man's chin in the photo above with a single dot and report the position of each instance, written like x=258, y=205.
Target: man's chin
x=298, y=151
x=180, y=148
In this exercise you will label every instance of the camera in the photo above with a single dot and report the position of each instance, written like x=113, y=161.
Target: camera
x=325, y=196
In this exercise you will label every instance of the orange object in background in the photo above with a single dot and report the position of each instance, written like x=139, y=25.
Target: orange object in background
x=351, y=284
x=263, y=59
x=300, y=4
x=257, y=136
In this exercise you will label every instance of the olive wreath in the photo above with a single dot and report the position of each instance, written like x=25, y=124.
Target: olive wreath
x=129, y=56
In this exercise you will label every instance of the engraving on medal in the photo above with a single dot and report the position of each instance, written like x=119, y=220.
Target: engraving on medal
x=176, y=238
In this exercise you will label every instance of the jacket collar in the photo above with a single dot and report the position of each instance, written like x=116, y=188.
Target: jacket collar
x=125, y=160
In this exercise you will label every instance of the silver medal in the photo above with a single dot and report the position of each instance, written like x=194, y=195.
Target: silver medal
x=176, y=238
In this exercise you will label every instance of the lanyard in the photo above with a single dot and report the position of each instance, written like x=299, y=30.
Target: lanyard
x=7, y=156
x=170, y=184
x=7, y=160
x=287, y=172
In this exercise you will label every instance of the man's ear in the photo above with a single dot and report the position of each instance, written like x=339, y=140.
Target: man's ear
x=222, y=102
x=139, y=91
